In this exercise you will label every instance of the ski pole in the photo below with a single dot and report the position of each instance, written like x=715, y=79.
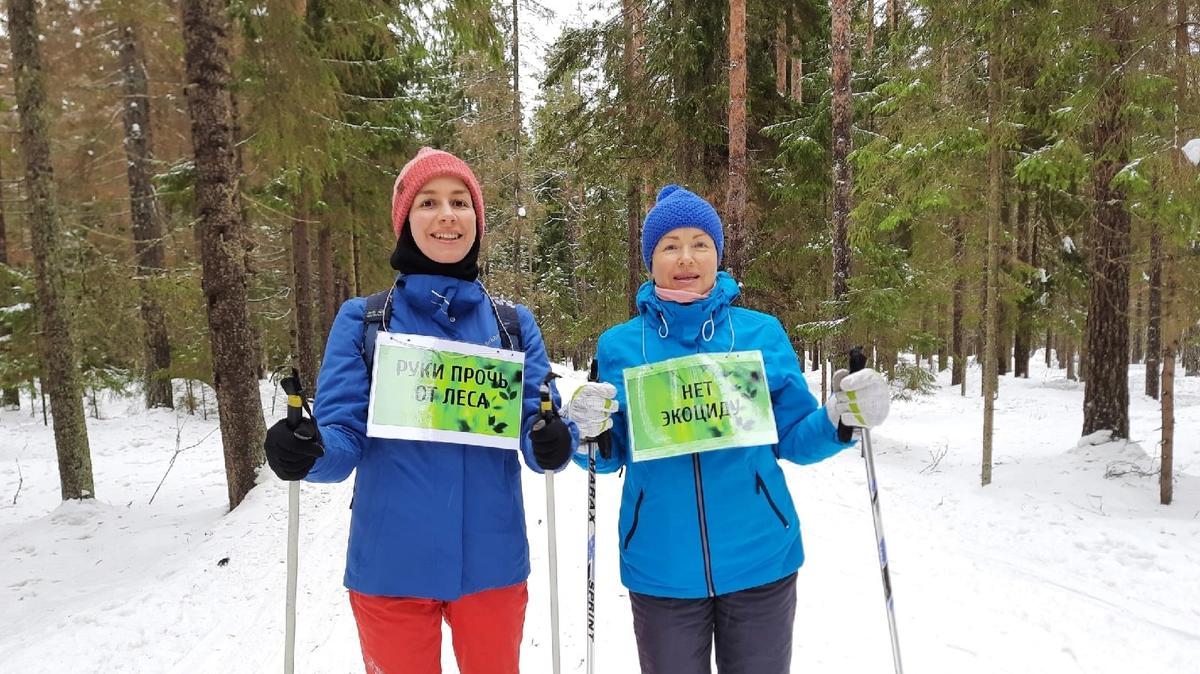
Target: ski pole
x=604, y=445
x=547, y=408
x=857, y=362
x=296, y=404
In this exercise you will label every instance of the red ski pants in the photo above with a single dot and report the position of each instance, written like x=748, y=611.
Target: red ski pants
x=401, y=635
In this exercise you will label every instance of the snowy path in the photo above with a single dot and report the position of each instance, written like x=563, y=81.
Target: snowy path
x=1052, y=568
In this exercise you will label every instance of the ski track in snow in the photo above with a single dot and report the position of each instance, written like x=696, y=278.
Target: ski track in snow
x=1052, y=568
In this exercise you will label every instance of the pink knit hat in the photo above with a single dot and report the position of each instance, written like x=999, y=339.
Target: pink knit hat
x=427, y=165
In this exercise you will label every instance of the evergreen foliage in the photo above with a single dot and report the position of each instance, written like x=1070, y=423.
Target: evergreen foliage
x=333, y=96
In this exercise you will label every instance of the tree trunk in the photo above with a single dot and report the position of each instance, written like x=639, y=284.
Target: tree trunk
x=633, y=226
x=1191, y=355
x=842, y=111
x=1069, y=356
x=1106, y=394
x=356, y=262
x=1154, y=312
x=1169, y=349
x=1166, y=482
x=55, y=346
x=304, y=326
x=781, y=55
x=797, y=71
x=248, y=244
x=10, y=396
x=1136, y=325
x=632, y=18
x=1023, y=342
x=736, y=227
x=959, y=371
x=518, y=231
x=1003, y=341
x=147, y=225
x=221, y=243
x=943, y=355
x=923, y=329
x=328, y=302
x=995, y=214
x=870, y=28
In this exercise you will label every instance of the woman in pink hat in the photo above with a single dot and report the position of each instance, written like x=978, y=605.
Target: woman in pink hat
x=437, y=529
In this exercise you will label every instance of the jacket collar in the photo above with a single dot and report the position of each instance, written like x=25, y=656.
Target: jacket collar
x=441, y=298
x=723, y=294
x=687, y=324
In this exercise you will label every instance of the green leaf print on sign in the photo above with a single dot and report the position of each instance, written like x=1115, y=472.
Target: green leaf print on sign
x=699, y=403
x=424, y=388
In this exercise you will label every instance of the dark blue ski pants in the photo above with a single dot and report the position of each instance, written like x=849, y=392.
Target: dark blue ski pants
x=752, y=630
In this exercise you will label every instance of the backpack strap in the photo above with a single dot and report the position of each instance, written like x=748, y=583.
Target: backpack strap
x=377, y=313
x=509, y=324
x=373, y=320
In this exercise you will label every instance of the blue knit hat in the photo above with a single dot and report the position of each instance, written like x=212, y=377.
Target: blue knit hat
x=675, y=208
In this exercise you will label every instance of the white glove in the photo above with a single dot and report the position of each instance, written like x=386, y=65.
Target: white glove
x=591, y=408
x=861, y=399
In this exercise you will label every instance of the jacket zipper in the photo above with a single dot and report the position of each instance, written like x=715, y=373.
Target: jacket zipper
x=637, y=509
x=712, y=592
x=760, y=485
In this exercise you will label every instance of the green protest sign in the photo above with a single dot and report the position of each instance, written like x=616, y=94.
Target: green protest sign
x=424, y=388
x=698, y=404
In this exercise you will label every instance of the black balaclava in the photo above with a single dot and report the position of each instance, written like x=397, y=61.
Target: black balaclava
x=408, y=258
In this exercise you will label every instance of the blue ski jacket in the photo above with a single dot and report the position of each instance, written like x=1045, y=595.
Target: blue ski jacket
x=716, y=522
x=428, y=519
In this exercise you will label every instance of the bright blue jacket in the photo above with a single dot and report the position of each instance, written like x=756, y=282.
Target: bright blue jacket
x=429, y=519
x=714, y=522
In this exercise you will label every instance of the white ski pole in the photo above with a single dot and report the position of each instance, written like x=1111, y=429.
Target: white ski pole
x=857, y=362
x=883, y=560
x=546, y=409
x=553, y=570
x=295, y=416
x=289, y=646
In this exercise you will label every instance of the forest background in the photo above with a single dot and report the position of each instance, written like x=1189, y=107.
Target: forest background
x=191, y=188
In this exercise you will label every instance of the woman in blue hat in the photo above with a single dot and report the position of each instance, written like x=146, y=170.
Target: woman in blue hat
x=710, y=541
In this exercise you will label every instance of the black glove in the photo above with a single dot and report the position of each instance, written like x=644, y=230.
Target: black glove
x=292, y=453
x=551, y=442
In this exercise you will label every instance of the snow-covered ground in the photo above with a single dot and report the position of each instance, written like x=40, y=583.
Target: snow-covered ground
x=1053, y=568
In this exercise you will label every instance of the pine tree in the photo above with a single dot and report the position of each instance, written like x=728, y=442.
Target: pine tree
x=994, y=216
x=60, y=374
x=1172, y=331
x=147, y=227
x=842, y=118
x=9, y=395
x=1106, y=394
x=219, y=236
x=736, y=227
x=633, y=17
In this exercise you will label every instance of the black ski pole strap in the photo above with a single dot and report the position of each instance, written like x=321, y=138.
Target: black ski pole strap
x=858, y=360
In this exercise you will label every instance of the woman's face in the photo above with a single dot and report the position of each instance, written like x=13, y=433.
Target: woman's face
x=685, y=259
x=443, y=220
